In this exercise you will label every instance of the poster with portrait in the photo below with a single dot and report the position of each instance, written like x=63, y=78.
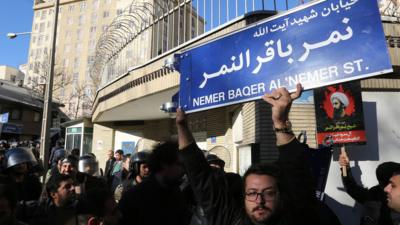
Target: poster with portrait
x=339, y=113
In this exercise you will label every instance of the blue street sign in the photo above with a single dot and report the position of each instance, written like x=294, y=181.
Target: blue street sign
x=317, y=44
x=4, y=117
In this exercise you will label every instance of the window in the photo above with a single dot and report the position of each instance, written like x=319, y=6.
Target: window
x=92, y=29
x=32, y=53
x=81, y=20
x=36, y=26
x=106, y=14
x=79, y=34
x=46, y=38
x=41, y=28
x=104, y=27
x=48, y=24
x=83, y=6
x=119, y=12
x=40, y=40
x=70, y=21
x=13, y=78
x=44, y=14
x=75, y=77
x=94, y=17
x=71, y=8
x=76, y=63
x=51, y=11
x=96, y=4
x=33, y=39
x=36, y=116
x=78, y=48
x=37, y=15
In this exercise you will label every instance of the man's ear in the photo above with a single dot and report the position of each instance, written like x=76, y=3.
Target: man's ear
x=93, y=221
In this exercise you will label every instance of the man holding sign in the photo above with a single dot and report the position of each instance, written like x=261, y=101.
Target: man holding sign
x=276, y=193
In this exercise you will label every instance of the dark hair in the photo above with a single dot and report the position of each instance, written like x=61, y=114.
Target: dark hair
x=119, y=151
x=54, y=182
x=163, y=154
x=269, y=169
x=93, y=201
x=385, y=171
x=75, y=151
x=8, y=191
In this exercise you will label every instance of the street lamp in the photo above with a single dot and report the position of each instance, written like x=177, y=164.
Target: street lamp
x=46, y=118
x=14, y=35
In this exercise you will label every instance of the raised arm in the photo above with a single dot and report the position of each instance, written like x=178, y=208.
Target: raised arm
x=357, y=192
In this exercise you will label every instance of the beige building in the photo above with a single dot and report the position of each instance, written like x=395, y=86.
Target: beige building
x=83, y=25
x=11, y=74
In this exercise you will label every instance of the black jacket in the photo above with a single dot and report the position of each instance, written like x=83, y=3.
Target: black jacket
x=149, y=203
x=211, y=190
x=376, y=210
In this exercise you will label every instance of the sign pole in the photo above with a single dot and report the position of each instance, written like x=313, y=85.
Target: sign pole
x=343, y=152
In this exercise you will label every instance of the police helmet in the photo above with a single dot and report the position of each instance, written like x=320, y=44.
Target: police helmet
x=88, y=164
x=58, y=155
x=214, y=159
x=16, y=156
x=138, y=158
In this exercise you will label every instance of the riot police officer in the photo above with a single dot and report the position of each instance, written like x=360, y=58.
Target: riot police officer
x=18, y=163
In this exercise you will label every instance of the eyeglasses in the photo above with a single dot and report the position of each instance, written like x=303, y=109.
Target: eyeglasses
x=267, y=195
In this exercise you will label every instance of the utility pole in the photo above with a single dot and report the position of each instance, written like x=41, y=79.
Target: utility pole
x=47, y=105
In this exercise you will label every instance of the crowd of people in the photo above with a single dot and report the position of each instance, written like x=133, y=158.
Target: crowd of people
x=180, y=184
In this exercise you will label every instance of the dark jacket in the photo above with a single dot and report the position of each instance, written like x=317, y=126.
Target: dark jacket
x=220, y=208
x=148, y=203
x=46, y=213
x=376, y=210
x=109, y=167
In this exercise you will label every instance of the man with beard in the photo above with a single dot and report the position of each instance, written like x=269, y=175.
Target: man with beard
x=58, y=209
x=158, y=199
x=276, y=193
x=83, y=181
x=393, y=193
x=339, y=102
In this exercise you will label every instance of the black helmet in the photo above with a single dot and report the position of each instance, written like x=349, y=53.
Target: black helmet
x=59, y=154
x=138, y=158
x=88, y=164
x=214, y=159
x=16, y=156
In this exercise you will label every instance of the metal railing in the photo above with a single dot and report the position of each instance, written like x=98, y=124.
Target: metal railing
x=149, y=28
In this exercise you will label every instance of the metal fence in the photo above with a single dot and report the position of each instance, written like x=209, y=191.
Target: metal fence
x=149, y=28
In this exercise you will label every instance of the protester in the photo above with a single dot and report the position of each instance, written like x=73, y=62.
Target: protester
x=158, y=199
x=83, y=181
x=109, y=163
x=8, y=204
x=118, y=162
x=234, y=180
x=121, y=176
x=276, y=193
x=98, y=207
x=393, y=189
x=58, y=209
x=376, y=210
